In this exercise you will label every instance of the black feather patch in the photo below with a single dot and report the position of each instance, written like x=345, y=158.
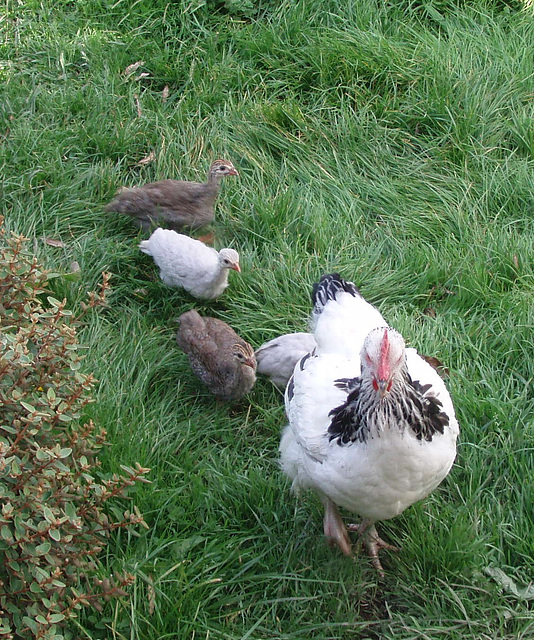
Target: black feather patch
x=416, y=409
x=433, y=419
x=290, y=388
x=347, y=424
x=347, y=384
x=328, y=287
x=303, y=361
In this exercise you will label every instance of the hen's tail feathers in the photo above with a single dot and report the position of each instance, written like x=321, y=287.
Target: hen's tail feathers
x=328, y=287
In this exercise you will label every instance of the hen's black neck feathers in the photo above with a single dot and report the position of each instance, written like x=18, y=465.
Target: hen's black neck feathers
x=409, y=405
x=328, y=288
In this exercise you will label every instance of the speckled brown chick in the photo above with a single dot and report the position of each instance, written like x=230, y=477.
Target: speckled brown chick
x=218, y=356
x=175, y=204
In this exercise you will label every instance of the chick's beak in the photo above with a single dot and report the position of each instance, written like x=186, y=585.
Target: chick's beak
x=233, y=172
x=236, y=267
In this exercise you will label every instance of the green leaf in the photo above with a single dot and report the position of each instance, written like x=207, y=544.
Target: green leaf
x=41, y=574
x=182, y=547
x=58, y=583
x=9, y=428
x=65, y=453
x=48, y=515
x=19, y=524
x=70, y=510
x=51, y=394
x=128, y=470
x=30, y=623
x=52, y=301
x=6, y=533
x=43, y=549
x=28, y=407
x=35, y=588
x=55, y=534
x=15, y=468
x=56, y=617
x=72, y=277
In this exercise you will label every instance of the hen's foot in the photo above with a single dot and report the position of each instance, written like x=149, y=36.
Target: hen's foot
x=373, y=543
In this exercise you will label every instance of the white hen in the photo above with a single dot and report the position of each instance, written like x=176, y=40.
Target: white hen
x=277, y=357
x=371, y=425
x=190, y=264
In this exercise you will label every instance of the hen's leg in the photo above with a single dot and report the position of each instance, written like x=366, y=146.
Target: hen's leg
x=334, y=529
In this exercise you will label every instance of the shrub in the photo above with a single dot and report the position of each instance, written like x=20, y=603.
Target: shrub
x=52, y=520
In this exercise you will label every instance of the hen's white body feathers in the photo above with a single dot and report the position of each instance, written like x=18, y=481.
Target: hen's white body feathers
x=381, y=475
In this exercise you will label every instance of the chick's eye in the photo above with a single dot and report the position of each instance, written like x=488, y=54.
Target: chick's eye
x=223, y=168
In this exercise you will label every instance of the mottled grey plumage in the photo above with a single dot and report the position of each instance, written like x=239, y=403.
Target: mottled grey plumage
x=175, y=204
x=277, y=357
x=218, y=356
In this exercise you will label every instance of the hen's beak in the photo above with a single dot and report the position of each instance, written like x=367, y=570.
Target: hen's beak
x=383, y=387
x=236, y=267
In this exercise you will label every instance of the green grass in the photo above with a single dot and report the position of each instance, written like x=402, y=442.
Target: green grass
x=392, y=142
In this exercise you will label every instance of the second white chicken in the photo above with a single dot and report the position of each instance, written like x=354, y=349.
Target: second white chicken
x=190, y=264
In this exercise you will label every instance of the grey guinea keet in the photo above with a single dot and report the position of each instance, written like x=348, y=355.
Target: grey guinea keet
x=175, y=204
x=277, y=357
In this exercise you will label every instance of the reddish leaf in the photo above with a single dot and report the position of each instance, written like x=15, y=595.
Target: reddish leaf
x=208, y=238
x=131, y=68
x=138, y=105
x=147, y=159
x=437, y=365
x=53, y=242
